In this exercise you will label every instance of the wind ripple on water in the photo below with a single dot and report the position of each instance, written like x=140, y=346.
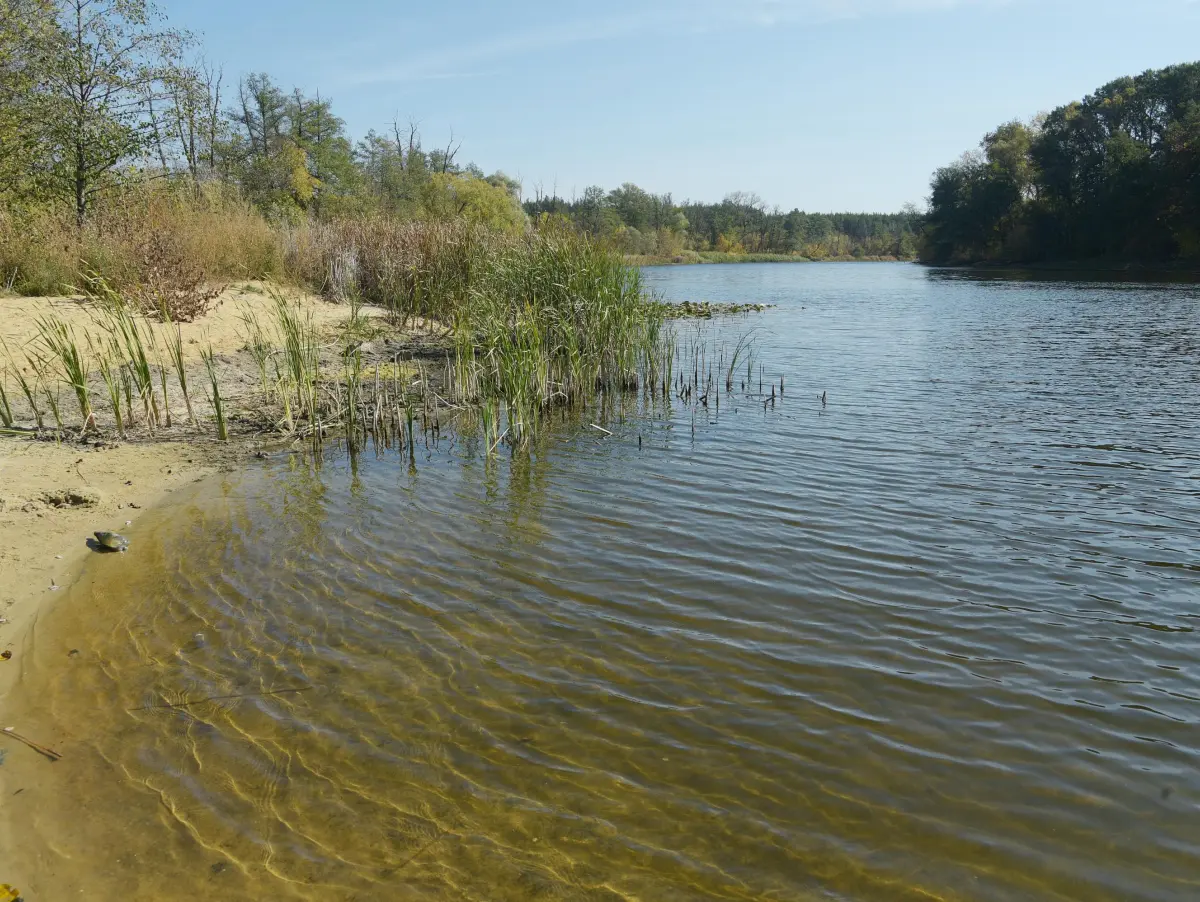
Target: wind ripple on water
x=933, y=638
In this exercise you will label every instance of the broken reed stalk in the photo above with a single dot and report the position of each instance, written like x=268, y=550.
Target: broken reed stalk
x=166, y=399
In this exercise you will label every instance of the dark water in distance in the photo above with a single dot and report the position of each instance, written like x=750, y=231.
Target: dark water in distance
x=934, y=640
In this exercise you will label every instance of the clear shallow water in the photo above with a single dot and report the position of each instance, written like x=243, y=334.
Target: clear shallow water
x=934, y=640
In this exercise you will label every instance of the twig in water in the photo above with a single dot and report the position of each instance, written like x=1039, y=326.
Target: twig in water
x=419, y=851
x=600, y=429
x=40, y=749
x=224, y=698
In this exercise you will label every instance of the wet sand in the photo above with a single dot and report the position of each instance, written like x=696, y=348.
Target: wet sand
x=46, y=544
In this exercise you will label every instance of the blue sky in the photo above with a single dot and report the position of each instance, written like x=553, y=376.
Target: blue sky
x=817, y=104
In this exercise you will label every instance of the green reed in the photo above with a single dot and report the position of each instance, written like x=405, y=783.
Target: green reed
x=301, y=352
x=210, y=366
x=133, y=339
x=538, y=320
x=110, y=372
x=162, y=380
x=126, y=384
x=552, y=319
x=261, y=348
x=6, y=414
x=174, y=342
x=351, y=409
x=58, y=340
x=27, y=389
x=44, y=380
x=743, y=348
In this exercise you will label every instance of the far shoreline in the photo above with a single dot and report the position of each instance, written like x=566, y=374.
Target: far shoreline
x=693, y=258
x=1181, y=271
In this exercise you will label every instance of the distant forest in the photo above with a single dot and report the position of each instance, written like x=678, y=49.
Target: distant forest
x=1115, y=176
x=647, y=224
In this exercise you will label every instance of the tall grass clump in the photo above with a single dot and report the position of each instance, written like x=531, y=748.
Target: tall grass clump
x=553, y=318
x=133, y=342
x=299, y=377
x=174, y=340
x=162, y=244
x=545, y=318
x=414, y=270
x=111, y=373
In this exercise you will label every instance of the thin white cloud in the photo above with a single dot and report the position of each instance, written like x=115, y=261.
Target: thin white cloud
x=772, y=12
x=508, y=46
x=665, y=16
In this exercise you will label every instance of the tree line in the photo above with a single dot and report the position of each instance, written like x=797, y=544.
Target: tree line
x=1114, y=176
x=101, y=97
x=97, y=96
x=649, y=224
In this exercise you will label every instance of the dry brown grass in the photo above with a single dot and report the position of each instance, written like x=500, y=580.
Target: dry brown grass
x=413, y=269
x=165, y=246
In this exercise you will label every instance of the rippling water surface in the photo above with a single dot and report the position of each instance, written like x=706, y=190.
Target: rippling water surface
x=934, y=639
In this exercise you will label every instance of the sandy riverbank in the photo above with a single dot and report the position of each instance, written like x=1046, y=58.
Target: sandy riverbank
x=54, y=495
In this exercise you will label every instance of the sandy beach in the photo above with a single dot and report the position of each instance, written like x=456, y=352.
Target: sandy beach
x=54, y=495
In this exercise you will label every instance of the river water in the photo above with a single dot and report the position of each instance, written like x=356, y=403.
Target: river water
x=929, y=636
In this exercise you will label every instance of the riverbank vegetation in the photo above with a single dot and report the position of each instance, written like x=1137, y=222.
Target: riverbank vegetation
x=1115, y=176
x=140, y=182
x=124, y=153
x=442, y=321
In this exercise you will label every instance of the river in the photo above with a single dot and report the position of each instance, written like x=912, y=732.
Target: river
x=921, y=627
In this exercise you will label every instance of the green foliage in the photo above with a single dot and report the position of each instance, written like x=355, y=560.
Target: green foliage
x=1112, y=176
x=58, y=340
x=93, y=110
x=27, y=34
x=550, y=317
x=210, y=366
x=447, y=197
